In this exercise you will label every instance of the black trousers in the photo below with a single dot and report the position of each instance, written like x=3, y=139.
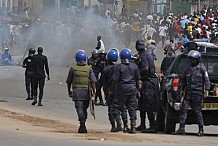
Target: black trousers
x=99, y=85
x=38, y=83
x=29, y=85
x=128, y=101
x=195, y=101
x=111, y=114
x=81, y=109
x=146, y=102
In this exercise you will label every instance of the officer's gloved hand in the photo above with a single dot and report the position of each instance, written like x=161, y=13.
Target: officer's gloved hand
x=138, y=95
x=93, y=99
x=181, y=95
x=206, y=92
x=70, y=94
x=48, y=78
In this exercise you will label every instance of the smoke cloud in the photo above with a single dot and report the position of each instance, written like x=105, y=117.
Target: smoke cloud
x=73, y=31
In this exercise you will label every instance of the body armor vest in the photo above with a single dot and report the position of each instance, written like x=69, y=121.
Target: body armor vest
x=81, y=76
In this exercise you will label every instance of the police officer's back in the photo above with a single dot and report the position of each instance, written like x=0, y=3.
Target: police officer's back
x=82, y=80
x=127, y=79
x=40, y=66
x=92, y=61
x=107, y=76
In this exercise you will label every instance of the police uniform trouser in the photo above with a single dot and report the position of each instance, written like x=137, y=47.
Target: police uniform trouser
x=29, y=85
x=195, y=101
x=112, y=118
x=131, y=104
x=81, y=109
x=38, y=83
x=146, y=101
x=98, y=90
x=110, y=109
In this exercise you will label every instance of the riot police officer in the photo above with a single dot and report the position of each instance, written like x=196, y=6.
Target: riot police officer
x=107, y=76
x=100, y=65
x=27, y=63
x=82, y=80
x=127, y=80
x=146, y=101
x=195, y=85
x=92, y=61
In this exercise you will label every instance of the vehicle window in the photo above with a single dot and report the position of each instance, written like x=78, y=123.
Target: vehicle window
x=213, y=65
x=181, y=64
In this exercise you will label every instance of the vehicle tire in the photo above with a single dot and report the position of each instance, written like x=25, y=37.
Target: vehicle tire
x=170, y=124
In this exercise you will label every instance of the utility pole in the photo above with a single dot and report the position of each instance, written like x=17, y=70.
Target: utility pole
x=199, y=5
x=57, y=6
x=6, y=3
x=11, y=5
x=90, y=3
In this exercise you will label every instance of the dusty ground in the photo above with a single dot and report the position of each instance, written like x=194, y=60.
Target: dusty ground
x=28, y=123
x=13, y=121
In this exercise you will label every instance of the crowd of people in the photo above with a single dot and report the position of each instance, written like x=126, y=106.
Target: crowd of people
x=199, y=25
x=123, y=83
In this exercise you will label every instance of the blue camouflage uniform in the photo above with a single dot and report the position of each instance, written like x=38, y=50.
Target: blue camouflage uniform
x=149, y=79
x=195, y=82
x=126, y=76
x=107, y=76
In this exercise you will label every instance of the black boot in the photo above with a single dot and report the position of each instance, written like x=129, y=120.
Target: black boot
x=29, y=97
x=180, y=131
x=126, y=129
x=151, y=129
x=119, y=124
x=201, y=131
x=141, y=126
x=132, y=130
x=113, y=127
x=100, y=103
x=82, y=128
x=34, y=101
x=40, y=102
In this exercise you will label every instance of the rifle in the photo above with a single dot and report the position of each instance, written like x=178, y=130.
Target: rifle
x=91, y=103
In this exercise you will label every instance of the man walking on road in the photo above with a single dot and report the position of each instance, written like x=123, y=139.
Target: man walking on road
x=82, y=80
x=28, y=64
x=40, y=66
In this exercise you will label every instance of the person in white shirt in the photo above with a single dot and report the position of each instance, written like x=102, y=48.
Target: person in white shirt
x=163, y=33
x=100, y=45
x=108, y=13
x=151, y=31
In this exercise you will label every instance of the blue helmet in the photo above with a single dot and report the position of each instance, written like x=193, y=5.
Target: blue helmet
x=194, y=54
x=81, y=56
x=125, y=54
x=113, y=54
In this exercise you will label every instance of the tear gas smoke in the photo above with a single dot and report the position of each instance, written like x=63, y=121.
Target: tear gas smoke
x=62, y=39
